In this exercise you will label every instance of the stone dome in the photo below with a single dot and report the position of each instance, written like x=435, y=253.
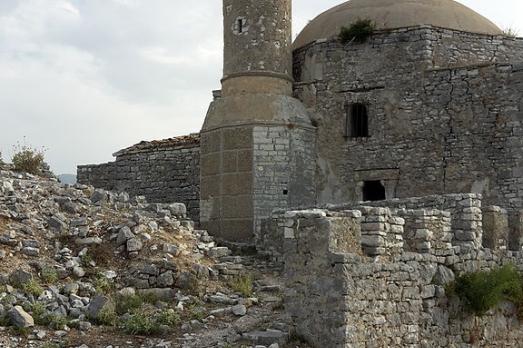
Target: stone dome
x=391, y=14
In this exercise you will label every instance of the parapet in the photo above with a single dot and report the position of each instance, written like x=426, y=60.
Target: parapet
x=439, y=225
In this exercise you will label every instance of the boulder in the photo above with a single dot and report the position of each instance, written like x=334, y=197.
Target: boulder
x=20, y=318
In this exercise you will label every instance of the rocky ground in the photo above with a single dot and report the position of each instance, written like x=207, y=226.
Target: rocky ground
x=81, y=267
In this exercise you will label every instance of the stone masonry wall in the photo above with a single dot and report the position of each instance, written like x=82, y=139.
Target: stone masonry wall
x=284, y=170
x=376, y=277
x=163, y=174
x=445, y=114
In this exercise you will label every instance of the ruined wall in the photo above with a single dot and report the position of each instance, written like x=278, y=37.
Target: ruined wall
x=376, y=277
x=434, y=127
x=163, y=174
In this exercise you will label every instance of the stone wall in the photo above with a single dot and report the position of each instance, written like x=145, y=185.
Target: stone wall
x=376, y=277
x=444, y=107
x=163, y=171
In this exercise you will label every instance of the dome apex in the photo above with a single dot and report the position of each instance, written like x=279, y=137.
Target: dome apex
x=391, y=14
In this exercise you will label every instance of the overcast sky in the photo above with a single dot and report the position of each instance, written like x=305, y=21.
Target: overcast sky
x=85, y=78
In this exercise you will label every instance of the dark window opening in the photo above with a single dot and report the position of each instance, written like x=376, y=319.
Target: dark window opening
x=285, y=192
x=359, y=121
x=240, y=25
x=373, y=191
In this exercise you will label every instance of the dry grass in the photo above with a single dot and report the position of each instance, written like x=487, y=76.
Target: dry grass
x=3, y=224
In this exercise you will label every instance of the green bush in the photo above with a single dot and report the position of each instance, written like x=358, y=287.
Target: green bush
x=358, y=31
x=482, y=291
x=27, y=159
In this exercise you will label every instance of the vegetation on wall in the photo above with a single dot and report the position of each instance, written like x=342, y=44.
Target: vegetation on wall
x=358, y=31
x=482, y=291
x=510, y=32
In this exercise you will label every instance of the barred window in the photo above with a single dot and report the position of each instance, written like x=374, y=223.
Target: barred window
x=358, y=121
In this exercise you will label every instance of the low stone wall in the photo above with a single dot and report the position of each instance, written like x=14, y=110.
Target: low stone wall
x=165, y=171
x=375, y=277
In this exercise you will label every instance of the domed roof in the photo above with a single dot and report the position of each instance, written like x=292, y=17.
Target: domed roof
x=390, y=14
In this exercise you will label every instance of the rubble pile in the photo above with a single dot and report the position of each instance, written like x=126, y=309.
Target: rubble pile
x=89, y=268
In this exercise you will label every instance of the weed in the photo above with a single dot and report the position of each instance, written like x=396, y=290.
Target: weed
x=144, y=321
x=128, y=303
x=21, y=331
x=32, y=288
x=196, y=312
x=511, y=32
x=482, y=291
x=86, y=259
x=243, y=284
x=55, y=321
x=140, y=324
x=4, y=321
x=358, y=31
x=49, y=275
x=38, y=312
x=103, y=285
x=107, y=316
x=168, y=317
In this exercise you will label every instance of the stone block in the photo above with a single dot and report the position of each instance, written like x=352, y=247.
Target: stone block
x=237, y=138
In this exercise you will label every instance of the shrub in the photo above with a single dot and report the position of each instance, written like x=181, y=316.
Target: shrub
x=32, y=288
x=107, y=316
x=126, y=304
x=140, y=324
x=144, y=321
x=168, y=317
x=482, y=291
x=510, y=32
x=27, y=159
x=243, y=284
x=358, y=31
x=38, y=312
x=55, y=321
x=103, y=285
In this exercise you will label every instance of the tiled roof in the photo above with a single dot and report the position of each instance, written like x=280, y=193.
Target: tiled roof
x=187, y=141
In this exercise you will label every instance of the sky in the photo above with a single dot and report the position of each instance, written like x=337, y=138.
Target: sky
x=85, y=78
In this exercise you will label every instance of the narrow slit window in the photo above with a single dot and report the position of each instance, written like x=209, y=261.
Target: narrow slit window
x=240, y=25
x=359, y=121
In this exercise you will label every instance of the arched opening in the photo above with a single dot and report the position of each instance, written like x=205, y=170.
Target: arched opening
x=359, y=121
x=373, y=191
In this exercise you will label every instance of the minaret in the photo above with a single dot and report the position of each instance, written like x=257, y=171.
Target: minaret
x=252, y=136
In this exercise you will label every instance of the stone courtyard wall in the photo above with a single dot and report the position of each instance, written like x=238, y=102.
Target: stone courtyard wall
x=445, y=114
x=376, y=277
x=163, y=172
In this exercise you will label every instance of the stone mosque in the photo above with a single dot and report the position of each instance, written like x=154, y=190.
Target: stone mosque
x=431, y=103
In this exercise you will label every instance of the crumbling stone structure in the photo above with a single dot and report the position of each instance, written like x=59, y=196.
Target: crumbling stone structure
x=163, y=171
x=377, y=276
